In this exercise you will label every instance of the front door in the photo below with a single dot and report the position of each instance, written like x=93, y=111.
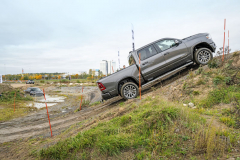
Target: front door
x=173, y=53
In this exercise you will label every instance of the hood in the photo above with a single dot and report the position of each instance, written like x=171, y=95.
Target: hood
x=194, y=36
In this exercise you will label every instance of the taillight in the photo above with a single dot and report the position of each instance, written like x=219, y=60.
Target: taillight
x=101, y=86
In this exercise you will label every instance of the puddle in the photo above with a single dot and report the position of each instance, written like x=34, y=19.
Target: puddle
x=50, y=99
x=40, y=105
x=39, y=102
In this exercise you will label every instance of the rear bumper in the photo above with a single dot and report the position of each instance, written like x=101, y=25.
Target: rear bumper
x=106, y=96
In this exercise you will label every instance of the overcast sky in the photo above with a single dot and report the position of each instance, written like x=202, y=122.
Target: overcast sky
x=75, y=35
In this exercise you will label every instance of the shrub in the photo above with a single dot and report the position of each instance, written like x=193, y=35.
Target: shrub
x=227, y=80
x=218, y=79
x=199, y=70
x=221, y=95
x=228, y=121
x=214, y=63
x=200, y=82
x=236, y=53
x=64, y=81
x=196, y=93
x=8, y=96
x=42, y=81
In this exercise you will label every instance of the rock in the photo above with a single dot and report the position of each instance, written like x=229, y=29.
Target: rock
x=190, y=104
x=185, y=105
x=176, y=130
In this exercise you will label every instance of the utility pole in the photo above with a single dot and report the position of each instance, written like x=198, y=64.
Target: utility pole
x=5, y=71
x=224, y=39
x=133, y=38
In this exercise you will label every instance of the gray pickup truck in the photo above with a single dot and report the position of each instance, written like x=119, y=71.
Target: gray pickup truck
x=158, y=60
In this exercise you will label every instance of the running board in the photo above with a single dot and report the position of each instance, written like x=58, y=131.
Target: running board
x=165, y=76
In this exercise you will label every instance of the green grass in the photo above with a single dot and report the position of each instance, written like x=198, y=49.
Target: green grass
x=8, y=96
x=228, y=121
x=149, y=127
x=224, y=94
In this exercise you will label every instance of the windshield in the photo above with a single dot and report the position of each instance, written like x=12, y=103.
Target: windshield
x=36, y=89
x=131, y=60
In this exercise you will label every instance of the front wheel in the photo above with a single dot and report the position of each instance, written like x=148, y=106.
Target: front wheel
x=129, y=90
x=203, y=56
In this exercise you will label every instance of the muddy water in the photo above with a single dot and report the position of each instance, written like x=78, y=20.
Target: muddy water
x=91, y=93
x=39, y=102
x=61, y=112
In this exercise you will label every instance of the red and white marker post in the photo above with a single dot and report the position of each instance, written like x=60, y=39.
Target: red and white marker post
x=47, y=112
x=14, y=100
x=140, y=75
x=81, y=100
x=228, y=41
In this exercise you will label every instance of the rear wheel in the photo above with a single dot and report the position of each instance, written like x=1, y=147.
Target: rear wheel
x=129, y=90
x=203, y=56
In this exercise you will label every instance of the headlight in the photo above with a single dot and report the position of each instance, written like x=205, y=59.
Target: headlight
x=209, y=36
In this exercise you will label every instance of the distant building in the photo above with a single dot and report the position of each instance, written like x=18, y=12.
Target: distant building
x=104, y=67
x=96, y=72
x=111, y=67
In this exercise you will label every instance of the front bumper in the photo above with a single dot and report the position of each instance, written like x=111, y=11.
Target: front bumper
x=213, y=45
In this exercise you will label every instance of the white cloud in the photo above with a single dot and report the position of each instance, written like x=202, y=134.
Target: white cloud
x=56, y=36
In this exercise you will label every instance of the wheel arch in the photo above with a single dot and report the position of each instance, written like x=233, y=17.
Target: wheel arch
x=126, y=79
x=201, y=45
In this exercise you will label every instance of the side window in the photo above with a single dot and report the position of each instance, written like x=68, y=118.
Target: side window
x=147, y=52
x=165, y=44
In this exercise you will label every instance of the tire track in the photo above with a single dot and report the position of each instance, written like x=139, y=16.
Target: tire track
x=40, y=127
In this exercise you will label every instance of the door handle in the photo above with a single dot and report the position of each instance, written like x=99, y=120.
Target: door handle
x=144, y=63
x=166, y=53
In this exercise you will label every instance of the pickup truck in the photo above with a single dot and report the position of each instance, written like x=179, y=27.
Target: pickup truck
x=157, y=61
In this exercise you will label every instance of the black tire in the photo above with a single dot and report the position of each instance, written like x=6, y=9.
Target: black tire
x=129, y=90
x=203, y=56
x=121, y=84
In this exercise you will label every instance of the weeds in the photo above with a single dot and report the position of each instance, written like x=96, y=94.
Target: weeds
x=199, y=71
x=228, y=121
x=149, y=128
x=220, y=95
x=95, y=103
x=207, y=141
x=196, y=93
x=200, y=82
x=236, y=53
x=8, y=96
x=214, y=63
x=42, y=81
x=218, y=79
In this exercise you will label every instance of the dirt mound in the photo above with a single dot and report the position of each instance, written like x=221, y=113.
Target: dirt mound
x=5, y=87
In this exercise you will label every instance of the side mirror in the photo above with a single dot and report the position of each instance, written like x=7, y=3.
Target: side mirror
x=177, y=42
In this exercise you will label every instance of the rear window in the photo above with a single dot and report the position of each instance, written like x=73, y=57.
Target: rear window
x=36, y=89
x=147, y=52
x=131, y=60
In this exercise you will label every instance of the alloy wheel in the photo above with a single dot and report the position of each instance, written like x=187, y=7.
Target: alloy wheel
x=130, y=91
x=204, y=56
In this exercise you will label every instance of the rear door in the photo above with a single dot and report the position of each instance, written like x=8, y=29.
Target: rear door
x=151, y=62
x=173, y=53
